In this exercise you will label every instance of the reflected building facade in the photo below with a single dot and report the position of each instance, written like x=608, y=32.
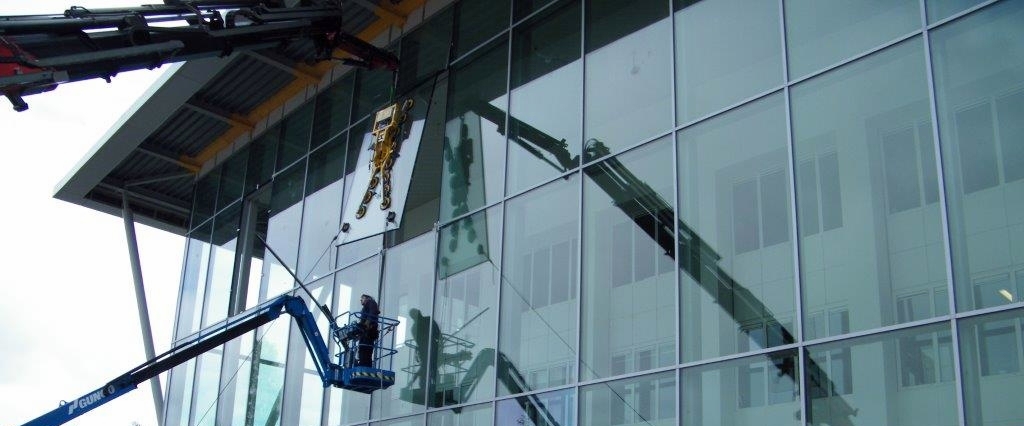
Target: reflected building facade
x=713, y=212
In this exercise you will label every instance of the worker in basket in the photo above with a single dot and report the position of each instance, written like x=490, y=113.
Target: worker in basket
x=365, y=332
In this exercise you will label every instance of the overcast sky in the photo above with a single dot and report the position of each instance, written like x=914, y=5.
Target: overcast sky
x=68, y=318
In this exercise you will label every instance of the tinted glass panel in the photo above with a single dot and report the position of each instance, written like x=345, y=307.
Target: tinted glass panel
x=478, y=21
x=222, y=265
x=425, y=50
x=991, y=354
x=295, y=130
x=628, y=83
x=474, y=143
x=362, y=278
x=907, y=369
x=546, y=70
x=283, y=220
x=232, y=178
x=332, y=109
x=373, y=90
x=820, y=34
x=407, y=287
x=757, y=390
x=538, y=303
x=648, y=400
x=466, y=416
x=726, y=51
x=262, y=157
x=941, y=9
x=463, y=332
x=979, y=73
x=322, y=214
x=879, y=241
x=205, y=202
x=204, y=407
x=736, y=254
x=629, y=279
x=193, y=281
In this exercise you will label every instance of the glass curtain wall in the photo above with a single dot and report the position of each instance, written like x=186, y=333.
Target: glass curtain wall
x=662, y=212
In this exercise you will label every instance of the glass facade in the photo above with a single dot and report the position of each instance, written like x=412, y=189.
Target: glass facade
x=668, y=212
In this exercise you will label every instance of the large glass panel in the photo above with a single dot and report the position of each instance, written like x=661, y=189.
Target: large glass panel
x=979, y=85
x=179, y=394
x=735, y=251
x=332, y=110
x=265, y=388
x=193, y=281
x=556, y=408
x=222, y=264
x=283, y=220
x=871, y=235
x=726, y=51
x=537, y=347
x=759, y=390
x=205, y=201
x=546, y=100
x=422, y=202
x=523, y=8
x=407, y=288
x=262, y=157
x=373, y=90
x=456, y=347
x=628, y=83
x=322, y=212
x=991, y=359
x=232, y=179
x=295, y=130
x=425, y=50
x=477, y=21
x=466, y=416
x=207, y=382
x=362, y=278
x=647, y=400
x=629, y=307
x=406, y=421
x=897, y=378
x=819, y=33
x=304, y=395
x=238, y=368
x=942, y=9
x=474, y=141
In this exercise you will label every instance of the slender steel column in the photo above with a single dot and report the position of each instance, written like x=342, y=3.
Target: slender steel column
x=140, y=301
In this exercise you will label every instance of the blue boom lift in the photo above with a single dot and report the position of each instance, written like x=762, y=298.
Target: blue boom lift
x=344, y=375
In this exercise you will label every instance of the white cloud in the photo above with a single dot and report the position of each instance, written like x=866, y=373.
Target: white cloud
x=68, y=318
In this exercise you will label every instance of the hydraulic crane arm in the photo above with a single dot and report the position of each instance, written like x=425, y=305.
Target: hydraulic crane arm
x=360, y=379
x=38, y=52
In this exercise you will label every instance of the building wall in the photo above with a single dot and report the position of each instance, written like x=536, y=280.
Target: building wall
x=721, y=212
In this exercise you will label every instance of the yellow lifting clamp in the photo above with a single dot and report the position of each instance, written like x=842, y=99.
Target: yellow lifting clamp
x=387, y=127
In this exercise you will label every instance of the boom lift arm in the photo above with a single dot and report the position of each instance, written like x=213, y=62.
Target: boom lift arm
x=38, y=52
x=344, y=376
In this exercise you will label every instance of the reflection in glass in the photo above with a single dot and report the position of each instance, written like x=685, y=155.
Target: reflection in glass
x=546, y=70
x=722, y=61
x=232, y=179
x=820, y=34
x=757, y=390
x=425, y=50
x=871, y=233
x=294, y=141
x=406, y=421
x=474, y=144
x=179, y=394
x=456, y=348
x=991, y=358
x=628, y=79
x=648, y=400
x=978, y=65
x=322, y=211
x=538, y=294
x=373, y=90
x=556, y=408
x=407, y=287
x=896, y=378
x=737, y=286
x=466, y=416
x=362, y=278
x=629, y=274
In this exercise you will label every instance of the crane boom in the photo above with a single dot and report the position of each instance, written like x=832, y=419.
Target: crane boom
x=39, y=52
x=345, y=376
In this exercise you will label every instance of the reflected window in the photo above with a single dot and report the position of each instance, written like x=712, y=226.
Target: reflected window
x=991, y=359
x=748, y=391
x=546, y=409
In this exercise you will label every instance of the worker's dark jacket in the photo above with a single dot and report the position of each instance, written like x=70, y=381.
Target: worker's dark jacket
x=369, y=315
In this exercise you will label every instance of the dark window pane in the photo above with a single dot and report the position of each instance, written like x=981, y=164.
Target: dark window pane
x=425, y=50
x=831, y=194
x=262, y=157
x=1011, y=135
x=373, y=90
x=746, y=217
x=610, y=20
x=478, y=21
x=332, y=110
x=978, y=156
x=775, y=208
x=205, y=203
x=232, y=178
x=901, y=173
x=295, y=136
x=807, y=195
